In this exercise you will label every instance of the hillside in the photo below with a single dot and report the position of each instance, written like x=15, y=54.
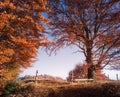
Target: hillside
x=50, y=88
x=41, y=77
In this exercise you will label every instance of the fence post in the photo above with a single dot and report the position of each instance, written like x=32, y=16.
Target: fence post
x=72, y=76
x=117, y=77
x=108, y=77
x=36, y=77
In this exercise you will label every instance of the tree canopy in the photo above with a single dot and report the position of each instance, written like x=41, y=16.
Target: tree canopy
x=91, y=25
x=22, y=31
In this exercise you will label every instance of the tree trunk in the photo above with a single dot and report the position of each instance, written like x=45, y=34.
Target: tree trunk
x=91, y=72
x=89, y=60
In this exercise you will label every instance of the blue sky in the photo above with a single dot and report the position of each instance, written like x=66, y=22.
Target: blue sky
x=56, y=65
x=59, y=64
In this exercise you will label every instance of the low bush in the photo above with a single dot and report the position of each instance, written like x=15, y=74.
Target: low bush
x=11, y=87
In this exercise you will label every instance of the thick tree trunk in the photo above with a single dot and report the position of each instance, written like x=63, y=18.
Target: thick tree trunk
x=91, y=72
x=89, y=56
x=89, y=60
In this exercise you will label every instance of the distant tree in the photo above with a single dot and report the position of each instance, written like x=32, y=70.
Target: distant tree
x=91, y=25
x=22, y=31
x=80, y=72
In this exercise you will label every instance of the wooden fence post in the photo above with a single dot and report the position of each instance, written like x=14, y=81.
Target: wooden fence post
x=117, y=77
x=36, y=77
x=72, y=76
x=108, y=77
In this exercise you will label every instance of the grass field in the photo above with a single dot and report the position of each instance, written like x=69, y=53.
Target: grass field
x=51, y=88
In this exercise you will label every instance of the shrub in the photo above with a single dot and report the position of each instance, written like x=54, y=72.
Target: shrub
x=11, y=87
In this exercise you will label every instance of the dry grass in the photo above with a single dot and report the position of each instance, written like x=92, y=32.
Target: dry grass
x=50, y=88
x=111, y=89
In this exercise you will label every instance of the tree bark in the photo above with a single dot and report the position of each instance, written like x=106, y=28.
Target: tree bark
x=91, y=72
x=89, y=60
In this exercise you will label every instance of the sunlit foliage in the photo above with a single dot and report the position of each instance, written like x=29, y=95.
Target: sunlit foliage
x=22, y=31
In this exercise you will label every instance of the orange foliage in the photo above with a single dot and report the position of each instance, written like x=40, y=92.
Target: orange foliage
x=100, y=75
x=22, y=28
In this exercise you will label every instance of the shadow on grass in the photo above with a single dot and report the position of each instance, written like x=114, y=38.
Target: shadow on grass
x=91, y=90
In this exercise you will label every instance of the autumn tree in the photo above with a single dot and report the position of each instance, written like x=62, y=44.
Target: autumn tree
x=91, y=25
x=22, y=31
x=80, y=71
